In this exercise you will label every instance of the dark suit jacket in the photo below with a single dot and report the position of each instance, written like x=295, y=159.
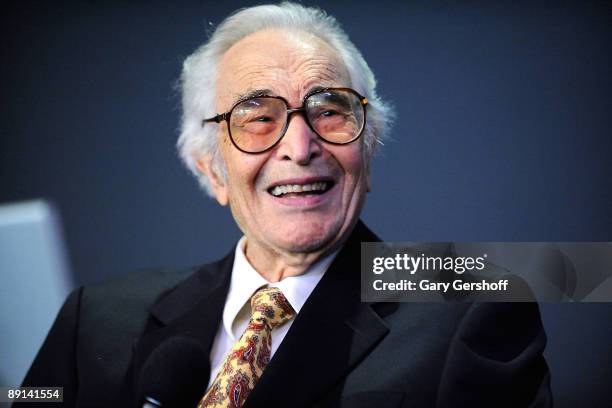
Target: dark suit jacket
x=339, y=352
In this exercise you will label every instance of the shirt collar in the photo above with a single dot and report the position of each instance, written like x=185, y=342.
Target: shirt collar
x=246, y=280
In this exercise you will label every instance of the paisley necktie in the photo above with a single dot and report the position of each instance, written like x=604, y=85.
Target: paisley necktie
x=250, y=355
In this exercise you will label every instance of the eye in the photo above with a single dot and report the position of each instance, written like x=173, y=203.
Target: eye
x=329, y=113
x=262, y=119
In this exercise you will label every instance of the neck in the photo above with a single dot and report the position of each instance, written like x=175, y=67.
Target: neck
x=275, y=266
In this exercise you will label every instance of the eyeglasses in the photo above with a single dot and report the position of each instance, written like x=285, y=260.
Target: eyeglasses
x=258, y=123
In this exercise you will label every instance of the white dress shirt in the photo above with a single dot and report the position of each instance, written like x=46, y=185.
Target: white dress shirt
x=244, y=283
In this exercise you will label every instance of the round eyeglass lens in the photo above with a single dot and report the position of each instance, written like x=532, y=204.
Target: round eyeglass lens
x=256, y=124
x=336, y=115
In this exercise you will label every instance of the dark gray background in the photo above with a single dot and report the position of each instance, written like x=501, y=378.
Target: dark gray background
x=502, y=134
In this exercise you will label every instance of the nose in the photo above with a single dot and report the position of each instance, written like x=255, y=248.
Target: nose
x=299, y=144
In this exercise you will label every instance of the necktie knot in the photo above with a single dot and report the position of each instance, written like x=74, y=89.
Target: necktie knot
x=270, y=307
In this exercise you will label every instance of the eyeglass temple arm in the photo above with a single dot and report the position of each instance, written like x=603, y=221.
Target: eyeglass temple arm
x=217, y=119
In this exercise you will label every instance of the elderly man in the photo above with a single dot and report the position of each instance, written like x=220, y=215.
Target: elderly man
x=281, y=119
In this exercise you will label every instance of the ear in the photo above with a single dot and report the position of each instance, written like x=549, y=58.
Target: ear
x=204, y=165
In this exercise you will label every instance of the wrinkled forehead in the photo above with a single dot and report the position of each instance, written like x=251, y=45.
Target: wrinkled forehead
x=279, y=62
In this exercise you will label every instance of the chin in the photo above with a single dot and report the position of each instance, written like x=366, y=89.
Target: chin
x=312, y=237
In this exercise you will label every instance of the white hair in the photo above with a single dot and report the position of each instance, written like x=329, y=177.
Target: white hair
x=200, y=73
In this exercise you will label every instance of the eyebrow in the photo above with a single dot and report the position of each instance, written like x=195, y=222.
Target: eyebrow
x=315, y=89
x=255, y=93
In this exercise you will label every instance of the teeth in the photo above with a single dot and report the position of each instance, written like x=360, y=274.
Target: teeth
x=296, y=188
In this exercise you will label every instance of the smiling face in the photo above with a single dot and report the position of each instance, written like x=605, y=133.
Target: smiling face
x=304, y=195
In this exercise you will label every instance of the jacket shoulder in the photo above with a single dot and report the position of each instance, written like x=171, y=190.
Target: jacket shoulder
x=140, y=287
x=122, y=305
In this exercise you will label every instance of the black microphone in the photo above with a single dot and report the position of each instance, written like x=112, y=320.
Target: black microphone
x=174, y=375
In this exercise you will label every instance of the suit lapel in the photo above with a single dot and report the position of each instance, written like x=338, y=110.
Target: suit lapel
x=330, y=335
x=192, y=310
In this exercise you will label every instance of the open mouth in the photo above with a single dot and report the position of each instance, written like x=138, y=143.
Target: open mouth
x=301, y=190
